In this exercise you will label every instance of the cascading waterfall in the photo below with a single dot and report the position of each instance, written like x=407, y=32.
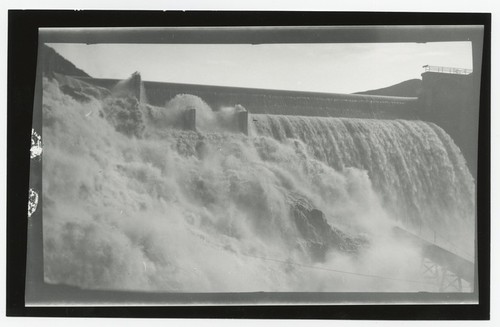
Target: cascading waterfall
x=416, y=169
x=130, y=201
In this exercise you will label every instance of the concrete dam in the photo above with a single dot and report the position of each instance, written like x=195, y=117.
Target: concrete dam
x=163, y=188
x=446, y=99
x=320, y=174
x=274, y=102
x=318, y=170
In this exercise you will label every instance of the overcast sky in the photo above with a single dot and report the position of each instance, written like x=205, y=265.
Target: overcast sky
x=340, y=68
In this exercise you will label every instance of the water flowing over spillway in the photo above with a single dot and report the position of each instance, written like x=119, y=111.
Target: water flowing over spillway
x=417, y=171
x=301, y=204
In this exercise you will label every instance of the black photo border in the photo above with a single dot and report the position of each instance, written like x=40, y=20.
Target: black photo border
x=22, y=67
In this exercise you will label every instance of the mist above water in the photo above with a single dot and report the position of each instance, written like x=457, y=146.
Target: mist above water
x=132, y=201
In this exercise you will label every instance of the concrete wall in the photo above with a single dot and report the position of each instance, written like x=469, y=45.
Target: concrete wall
x=281, y=102
x=287, y=102
x=448, y=100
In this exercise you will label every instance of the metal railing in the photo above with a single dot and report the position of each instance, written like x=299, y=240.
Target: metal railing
x=447, y=70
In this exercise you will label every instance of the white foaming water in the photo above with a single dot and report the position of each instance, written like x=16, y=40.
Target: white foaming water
x=416, y=169
x=130, y=202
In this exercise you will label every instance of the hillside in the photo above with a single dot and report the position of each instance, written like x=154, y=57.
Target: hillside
x=409, y=88
x=55, y=63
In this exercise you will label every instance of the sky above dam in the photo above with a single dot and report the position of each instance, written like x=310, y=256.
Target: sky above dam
x=338, y=68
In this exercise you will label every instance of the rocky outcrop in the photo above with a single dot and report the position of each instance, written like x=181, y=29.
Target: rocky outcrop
x=318, y=235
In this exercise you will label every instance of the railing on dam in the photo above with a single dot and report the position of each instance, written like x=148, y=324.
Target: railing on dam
x=447, y=70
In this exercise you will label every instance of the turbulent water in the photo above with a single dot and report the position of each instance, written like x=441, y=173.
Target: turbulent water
x=132, y=201
x=416, y=169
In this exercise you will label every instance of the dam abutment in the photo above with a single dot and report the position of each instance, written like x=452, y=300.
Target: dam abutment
x=448, y=100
